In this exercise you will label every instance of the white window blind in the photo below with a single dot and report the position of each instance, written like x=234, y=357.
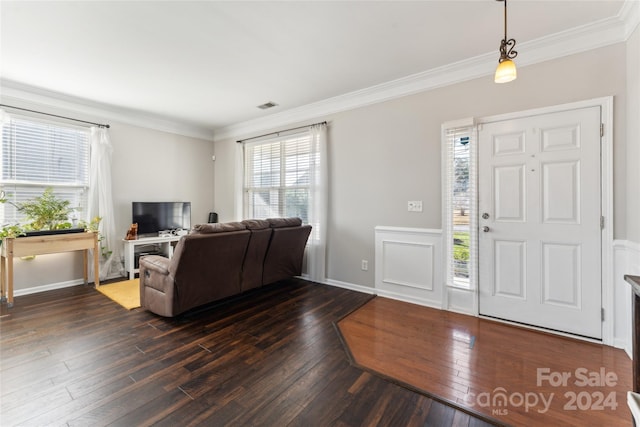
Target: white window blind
x=277, y=177
x=37, y=154
x=459, y=205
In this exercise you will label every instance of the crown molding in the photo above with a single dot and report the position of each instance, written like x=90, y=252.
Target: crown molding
x=630, y=15
x=576, y=40
x=38, y=98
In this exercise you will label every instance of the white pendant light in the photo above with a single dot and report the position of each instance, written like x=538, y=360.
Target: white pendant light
x=506, y=70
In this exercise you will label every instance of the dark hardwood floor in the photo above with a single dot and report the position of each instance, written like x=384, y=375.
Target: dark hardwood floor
x=269, y=358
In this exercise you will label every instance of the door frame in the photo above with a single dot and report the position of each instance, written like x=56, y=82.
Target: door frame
x=606, y=200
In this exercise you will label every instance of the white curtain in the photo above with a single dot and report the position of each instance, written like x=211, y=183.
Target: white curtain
x=318, y=195
x=101, y=202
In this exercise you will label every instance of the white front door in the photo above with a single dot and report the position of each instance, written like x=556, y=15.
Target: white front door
x=540, y=232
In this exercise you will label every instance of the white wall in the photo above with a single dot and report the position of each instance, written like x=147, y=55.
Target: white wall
x=148, y=165
x=383, y=155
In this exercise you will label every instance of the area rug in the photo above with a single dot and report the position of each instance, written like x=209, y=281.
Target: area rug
x=126, y=293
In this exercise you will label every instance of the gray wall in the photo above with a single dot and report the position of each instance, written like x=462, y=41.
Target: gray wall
x=383, y=155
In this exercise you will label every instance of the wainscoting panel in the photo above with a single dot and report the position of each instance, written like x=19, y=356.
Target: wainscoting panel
x=408, y=264
x=626, y=260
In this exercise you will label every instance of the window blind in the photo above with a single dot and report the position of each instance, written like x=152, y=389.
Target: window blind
x=277, y=177
x=39, y=154
x=459, y=205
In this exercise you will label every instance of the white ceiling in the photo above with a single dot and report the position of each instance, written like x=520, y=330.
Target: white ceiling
x=210, y=63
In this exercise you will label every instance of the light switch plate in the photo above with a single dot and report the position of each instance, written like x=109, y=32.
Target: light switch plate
x=414, y=206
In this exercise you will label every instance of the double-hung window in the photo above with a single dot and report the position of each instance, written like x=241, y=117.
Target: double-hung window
x=37, y=154
x=277, y=177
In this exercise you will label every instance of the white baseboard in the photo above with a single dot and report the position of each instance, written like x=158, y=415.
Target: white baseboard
x=49, y=287
x=53, y=286
x=350, y=286
x=410, y=299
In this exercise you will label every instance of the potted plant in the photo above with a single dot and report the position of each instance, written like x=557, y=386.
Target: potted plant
x=46, y=214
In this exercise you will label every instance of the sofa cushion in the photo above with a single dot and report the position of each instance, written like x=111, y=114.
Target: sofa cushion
x=256, y=224
x=256, y=251
x=284, y=222
x=285, y=254
x=221, y=227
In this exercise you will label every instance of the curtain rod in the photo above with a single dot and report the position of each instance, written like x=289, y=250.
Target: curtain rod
x=281, y=131
x=55, y=115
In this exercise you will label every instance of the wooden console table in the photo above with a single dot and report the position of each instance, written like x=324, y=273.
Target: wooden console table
x=40, y=245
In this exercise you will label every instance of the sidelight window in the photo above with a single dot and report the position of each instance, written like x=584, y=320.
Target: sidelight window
x=459, y=204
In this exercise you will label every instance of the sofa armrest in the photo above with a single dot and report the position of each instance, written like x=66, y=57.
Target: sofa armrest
x=156, y=263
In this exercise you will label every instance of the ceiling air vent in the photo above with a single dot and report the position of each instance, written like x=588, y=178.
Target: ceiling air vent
x=267, y=105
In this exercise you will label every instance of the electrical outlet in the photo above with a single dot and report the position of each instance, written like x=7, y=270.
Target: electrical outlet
x=365, y=265
x=414, y=206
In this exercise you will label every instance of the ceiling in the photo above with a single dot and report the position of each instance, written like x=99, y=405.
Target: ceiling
x=211, y=63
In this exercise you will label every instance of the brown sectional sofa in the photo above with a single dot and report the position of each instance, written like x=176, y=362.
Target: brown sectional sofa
x=216, y=261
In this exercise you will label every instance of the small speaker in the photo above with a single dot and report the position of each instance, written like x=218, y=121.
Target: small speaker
x=213, y=217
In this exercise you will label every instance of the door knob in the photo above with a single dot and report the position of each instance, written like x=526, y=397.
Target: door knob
x=485, y=229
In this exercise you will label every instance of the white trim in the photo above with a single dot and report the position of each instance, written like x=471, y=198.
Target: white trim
x=60, y=285
x=606, y=159
x=350, y=286
x=49, y=287
x=410, y=299
x=630, y=15
x=587, y=37
x=385, y=294
x=626, y=260
x=407, y=230
x=14, y=93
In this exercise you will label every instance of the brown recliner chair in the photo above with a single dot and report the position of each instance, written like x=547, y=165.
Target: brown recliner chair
x=206, y=266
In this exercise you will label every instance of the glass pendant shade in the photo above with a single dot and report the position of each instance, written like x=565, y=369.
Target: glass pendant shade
x=505, y=72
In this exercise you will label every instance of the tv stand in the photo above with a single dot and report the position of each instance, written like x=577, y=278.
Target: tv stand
x=131, y=247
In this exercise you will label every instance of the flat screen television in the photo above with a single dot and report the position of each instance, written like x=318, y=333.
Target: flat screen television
x=153, y=217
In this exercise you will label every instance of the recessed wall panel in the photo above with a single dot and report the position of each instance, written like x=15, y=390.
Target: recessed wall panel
x=408, y=264
x=510, y=268
x=561, y=192
x=508, y=144
x=561, y=274
x=509, y=194
x=561, y=138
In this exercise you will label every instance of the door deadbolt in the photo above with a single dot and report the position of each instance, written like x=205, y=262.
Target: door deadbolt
x=485, y=216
